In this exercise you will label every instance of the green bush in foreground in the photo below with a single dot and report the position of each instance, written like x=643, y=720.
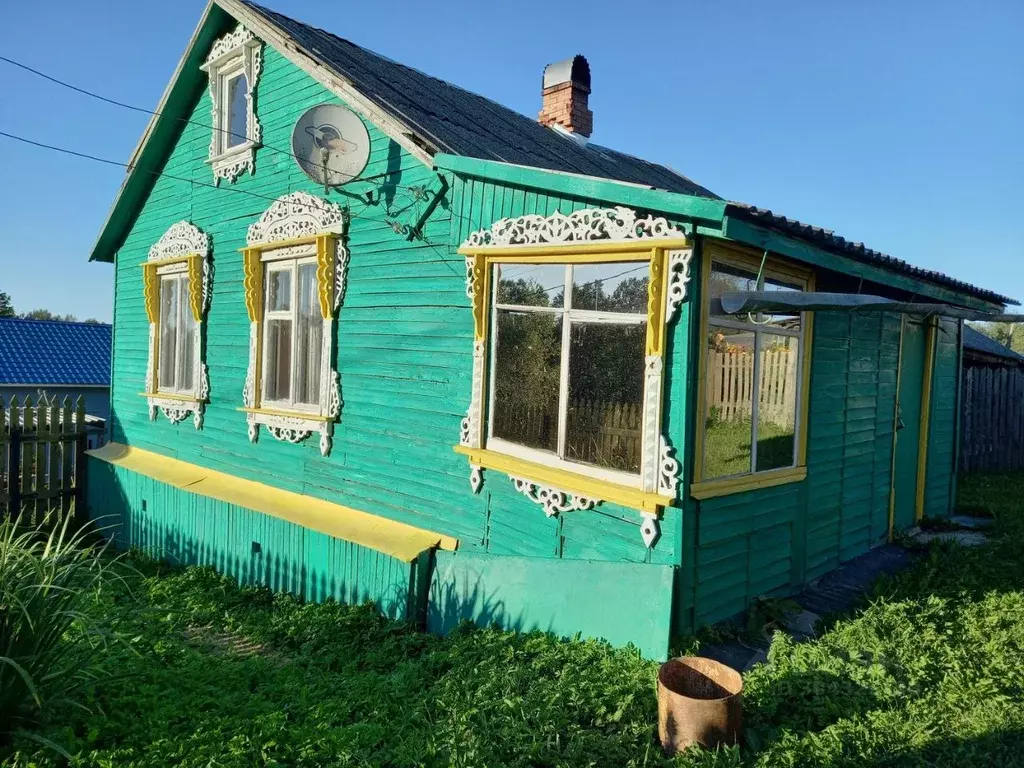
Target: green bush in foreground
x=929, y=673
x=47, y=647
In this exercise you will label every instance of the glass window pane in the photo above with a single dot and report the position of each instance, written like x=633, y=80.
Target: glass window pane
x=729, y=389
x=777, y=401
x=531, y=285
x=279, y=290
x=238, y=111
x=187, y=326
x=308, y=338
x=278, y=363
x=726, y=278
x=606, y=383
x=526, y=378
x=616, y=287
x=168, y=332
x=789, y=320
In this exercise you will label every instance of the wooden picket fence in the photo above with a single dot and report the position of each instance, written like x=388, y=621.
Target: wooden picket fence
x=42, y=456
x=992, y=420
x=609, y=430
x=731, y=386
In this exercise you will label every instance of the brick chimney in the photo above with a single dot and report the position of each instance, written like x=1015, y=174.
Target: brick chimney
x=566, y=91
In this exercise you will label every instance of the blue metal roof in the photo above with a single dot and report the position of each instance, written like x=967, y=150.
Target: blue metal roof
x=36, y=352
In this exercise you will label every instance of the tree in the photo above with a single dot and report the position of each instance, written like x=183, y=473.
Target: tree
x=1008, y=334
x=6, y=307
x=45, y=314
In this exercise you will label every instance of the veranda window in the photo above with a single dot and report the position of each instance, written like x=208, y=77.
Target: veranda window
x=176, y=364
x=293, y=335
x=753, y=379
x=567, y=357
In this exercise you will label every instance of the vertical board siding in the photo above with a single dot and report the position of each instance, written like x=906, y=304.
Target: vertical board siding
x=992, y=421
x=770, y=541
x=943, y=429
x=404, y=352
x=187, y=529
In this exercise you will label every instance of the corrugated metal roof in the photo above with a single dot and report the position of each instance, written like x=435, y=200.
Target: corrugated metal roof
x=464, y=123
x=979, y=342
x=54, y=352
x=829, y=240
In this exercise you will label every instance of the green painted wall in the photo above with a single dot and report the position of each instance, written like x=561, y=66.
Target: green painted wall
x=187, y=529
x=404, y=349
x=943, y=433
x=770, y=542
x=619, y=602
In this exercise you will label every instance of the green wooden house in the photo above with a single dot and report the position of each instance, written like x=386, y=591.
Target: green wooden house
x=379, y=338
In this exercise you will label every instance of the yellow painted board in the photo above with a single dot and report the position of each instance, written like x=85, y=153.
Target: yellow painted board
x=401, y=541
x=709, y=489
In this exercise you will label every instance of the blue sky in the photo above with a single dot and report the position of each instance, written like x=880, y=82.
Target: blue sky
x=897, y=124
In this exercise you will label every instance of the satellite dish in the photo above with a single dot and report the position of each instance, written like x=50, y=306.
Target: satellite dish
x=330, y=144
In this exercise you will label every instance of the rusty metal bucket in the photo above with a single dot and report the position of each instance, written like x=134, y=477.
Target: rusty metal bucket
x=699, y=702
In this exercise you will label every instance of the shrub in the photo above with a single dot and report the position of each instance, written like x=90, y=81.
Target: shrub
x=48, y=645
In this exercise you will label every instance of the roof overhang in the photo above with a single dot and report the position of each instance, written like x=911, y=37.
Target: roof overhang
x=188, y=81
x=706, y=211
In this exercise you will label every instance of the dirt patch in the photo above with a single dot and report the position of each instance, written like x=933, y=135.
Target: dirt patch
x=221, y=643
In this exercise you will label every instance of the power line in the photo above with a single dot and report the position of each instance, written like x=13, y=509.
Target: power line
x=119, y=164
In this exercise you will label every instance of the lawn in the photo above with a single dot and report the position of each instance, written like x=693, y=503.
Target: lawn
x=930, y=673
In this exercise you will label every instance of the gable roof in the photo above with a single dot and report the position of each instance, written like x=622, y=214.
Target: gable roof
x=459, y=122
x=976, y=341
x=49, y=352
x=430, y=117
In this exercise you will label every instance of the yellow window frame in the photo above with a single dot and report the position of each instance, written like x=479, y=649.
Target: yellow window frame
x=480, y=259
x=743, y=258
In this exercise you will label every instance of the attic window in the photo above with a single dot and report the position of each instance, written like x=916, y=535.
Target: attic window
x=233, y=67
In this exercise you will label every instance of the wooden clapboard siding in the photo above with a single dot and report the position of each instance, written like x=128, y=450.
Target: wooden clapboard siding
x=770, y=541
x=943, y=424
x=404, y=348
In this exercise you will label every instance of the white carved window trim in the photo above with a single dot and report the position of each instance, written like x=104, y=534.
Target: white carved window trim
x=238, y=52
x=297, y=226
x=183, y=248
x=617, y=229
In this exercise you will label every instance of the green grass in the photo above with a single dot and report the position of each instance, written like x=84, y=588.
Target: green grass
x=929, y=673
x=727, y=447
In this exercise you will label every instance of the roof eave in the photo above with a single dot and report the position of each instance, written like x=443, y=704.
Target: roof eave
x=187, y=78
x=741, y=228
x=707, y=211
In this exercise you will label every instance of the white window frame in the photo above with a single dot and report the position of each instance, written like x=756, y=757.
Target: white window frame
x=290, y=265
x=183, y=250
x=239, y=52
x=584, y=236
x=298, y=228
x=177, y=273
x=568, y=315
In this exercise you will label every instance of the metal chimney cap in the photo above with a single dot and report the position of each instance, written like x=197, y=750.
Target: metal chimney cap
x=575, y=70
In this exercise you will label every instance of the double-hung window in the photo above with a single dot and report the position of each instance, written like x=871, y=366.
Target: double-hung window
x=292, y=336
x=233, y=67
x=753, y=376
x=294, y=271
x=567, y=357
x=176, y=290
x=176, y=365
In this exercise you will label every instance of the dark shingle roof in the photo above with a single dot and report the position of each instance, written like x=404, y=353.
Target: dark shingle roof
x=466, y=124
x=54, y=352
x=828, y=240
x=463, y=123
x=979, y=342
